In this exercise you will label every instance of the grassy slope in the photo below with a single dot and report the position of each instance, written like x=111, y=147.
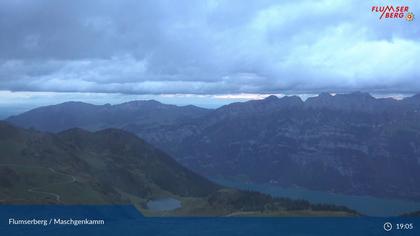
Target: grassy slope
x=111, y=167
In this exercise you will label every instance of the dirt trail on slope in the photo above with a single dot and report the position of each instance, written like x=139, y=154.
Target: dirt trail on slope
x=56, y=196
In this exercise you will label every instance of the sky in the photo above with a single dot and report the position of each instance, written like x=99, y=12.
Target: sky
x=205, y=52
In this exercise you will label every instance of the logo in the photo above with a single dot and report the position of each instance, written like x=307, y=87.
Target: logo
x=393, y=12
x=410, y=16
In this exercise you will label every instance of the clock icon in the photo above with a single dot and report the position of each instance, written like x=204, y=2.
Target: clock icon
x=387, y=226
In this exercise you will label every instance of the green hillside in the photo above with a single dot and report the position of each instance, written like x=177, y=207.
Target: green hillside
x=116, y=167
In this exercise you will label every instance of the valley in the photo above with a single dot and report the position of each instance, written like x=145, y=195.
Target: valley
x=365, y=205
x=115, y=167
x=345, y=144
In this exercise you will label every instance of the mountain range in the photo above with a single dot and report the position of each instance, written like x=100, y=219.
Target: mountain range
x=96, y=117
x=344, y=143
x=112, y=166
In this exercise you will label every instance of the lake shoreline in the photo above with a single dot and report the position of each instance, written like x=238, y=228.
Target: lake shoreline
x=366, y=205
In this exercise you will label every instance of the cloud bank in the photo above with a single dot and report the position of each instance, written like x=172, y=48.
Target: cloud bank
x=206, y=47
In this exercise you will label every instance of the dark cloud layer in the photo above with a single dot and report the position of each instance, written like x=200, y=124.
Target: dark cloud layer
x=205, y=47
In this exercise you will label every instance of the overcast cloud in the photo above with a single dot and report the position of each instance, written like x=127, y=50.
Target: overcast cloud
x=206, y=47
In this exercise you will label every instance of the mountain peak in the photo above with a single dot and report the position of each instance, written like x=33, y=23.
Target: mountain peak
x=271, y=98
x=285, y=100
x=74, y=103
x=360, y=101
x=70, y=105
x=141, y=102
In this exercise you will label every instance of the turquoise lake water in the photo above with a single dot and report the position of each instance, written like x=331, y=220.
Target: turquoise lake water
x=164, y=204
x=367, y=205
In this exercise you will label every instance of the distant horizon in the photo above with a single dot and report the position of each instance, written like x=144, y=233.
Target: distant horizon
x=204, y=53
x=13, y=103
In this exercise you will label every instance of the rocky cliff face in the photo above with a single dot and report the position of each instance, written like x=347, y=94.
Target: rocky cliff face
x=352, y=143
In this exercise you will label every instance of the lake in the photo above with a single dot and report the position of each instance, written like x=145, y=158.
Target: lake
x=367, y=205
x=164, y=204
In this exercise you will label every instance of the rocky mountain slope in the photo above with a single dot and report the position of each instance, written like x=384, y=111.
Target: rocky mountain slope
x=129, y=115
x=347, y=143
x=350, y=143
x=115, y=167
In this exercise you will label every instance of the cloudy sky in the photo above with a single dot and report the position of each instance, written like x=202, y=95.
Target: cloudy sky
x=205, y=49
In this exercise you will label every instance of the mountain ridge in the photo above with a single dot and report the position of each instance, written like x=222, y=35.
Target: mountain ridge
x=112, y=166
x=95, y=117
x=345, y=143
x=139, y=113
